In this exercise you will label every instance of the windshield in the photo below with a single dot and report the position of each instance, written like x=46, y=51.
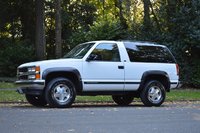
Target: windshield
x=79, y=51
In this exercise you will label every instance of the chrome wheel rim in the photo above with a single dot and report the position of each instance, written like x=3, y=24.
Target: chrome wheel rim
x=61, y=93
x=154, y=94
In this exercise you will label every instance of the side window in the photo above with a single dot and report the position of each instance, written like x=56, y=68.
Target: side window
x=149, y=54
x=106, y=52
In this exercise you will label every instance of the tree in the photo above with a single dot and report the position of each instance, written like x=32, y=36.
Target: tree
x=171, y=13
x=147, y=21
x=118, y=4
x=26, y=13
x=58, y=28
x=40, y=41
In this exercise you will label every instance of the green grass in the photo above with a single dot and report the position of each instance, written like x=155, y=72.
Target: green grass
x=174, y=95
x=11, y=96
x=6, y=85
x=183, y=94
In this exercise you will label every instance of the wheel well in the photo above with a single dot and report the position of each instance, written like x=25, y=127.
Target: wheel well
x=69, y=75
x=161, y=78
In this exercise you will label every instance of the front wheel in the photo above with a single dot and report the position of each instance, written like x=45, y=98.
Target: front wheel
x=153, y=93
x=35, y=100
x=122, y=100
x=60, y=93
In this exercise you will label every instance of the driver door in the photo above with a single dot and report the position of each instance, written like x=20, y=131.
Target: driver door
x=103, y=69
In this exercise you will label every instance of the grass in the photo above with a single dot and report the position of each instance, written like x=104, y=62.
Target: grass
x=183, y=94
x=6, y=85
x=11, y=96
x=174, y=95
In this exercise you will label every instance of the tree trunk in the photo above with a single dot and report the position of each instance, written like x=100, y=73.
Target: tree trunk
x=103, y=6
x=146, y=15
x=128, y=10
x=171, y=11
x=26, y=16
x=118, y=4
x=155, y=17
x=58, y=29
x=40, y=40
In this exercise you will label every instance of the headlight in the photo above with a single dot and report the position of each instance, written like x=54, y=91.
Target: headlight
x=34, y=69
x=28, y=73
x=34, y=73
x=31, y=69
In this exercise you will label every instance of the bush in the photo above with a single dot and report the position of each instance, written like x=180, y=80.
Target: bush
x=196, y=74
x=106, y=30
x=101, y=30
x=14, y=54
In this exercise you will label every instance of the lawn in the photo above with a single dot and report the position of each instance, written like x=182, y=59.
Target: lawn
x=6, y=85
x=183, y=94
x=174, y=95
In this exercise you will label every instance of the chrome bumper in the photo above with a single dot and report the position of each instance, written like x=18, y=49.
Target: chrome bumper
x=34, y=87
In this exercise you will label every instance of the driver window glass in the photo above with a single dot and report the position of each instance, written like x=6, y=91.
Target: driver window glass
x=106, y=52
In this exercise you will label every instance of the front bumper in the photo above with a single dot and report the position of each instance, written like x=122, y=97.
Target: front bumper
x=33, y=87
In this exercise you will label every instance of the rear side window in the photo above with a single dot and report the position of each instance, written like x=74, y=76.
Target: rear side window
x=139, y=53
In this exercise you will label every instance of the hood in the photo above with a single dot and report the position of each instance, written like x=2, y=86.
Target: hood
x=52, y=63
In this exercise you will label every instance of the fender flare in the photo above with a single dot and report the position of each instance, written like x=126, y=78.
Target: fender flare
x=154, y=73
x=65, y=70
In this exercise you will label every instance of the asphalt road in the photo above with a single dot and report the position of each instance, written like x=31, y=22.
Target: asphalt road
x=103, y=118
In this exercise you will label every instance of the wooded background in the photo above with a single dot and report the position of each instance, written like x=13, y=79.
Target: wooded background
x=33, y=30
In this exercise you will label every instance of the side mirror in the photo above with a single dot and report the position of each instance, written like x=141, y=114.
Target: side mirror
x=93, y=57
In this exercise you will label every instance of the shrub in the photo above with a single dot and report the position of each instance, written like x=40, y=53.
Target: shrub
x=14, y=54
x=101, y=30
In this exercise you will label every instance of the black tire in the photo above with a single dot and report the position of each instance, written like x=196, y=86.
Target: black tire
x=60, y=93
x=153, y=93
x=38, y=101
x=122, y=100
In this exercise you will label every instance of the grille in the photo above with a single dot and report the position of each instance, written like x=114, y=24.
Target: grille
x=24, y=69
x=23, y=77
x=22, y=73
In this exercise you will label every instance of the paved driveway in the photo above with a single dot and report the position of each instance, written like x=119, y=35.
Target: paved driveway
x=101, y=118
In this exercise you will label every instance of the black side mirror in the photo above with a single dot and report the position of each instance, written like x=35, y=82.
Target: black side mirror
x=93, y=57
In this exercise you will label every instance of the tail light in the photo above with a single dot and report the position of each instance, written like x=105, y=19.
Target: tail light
x=177, y=69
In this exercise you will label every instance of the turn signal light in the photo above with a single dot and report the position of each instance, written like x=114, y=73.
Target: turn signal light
x=37, y=76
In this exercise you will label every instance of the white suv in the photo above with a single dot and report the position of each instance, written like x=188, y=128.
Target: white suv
x=122, y=69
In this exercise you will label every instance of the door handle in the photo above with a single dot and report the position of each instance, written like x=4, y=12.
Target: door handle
x=120, y=67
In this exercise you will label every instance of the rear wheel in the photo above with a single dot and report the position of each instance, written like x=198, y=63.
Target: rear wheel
x=153, y=93
x=35, y=100
x=122, y=100
x=60, y=93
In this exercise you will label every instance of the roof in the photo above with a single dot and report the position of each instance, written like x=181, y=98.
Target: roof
x=142, y=43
